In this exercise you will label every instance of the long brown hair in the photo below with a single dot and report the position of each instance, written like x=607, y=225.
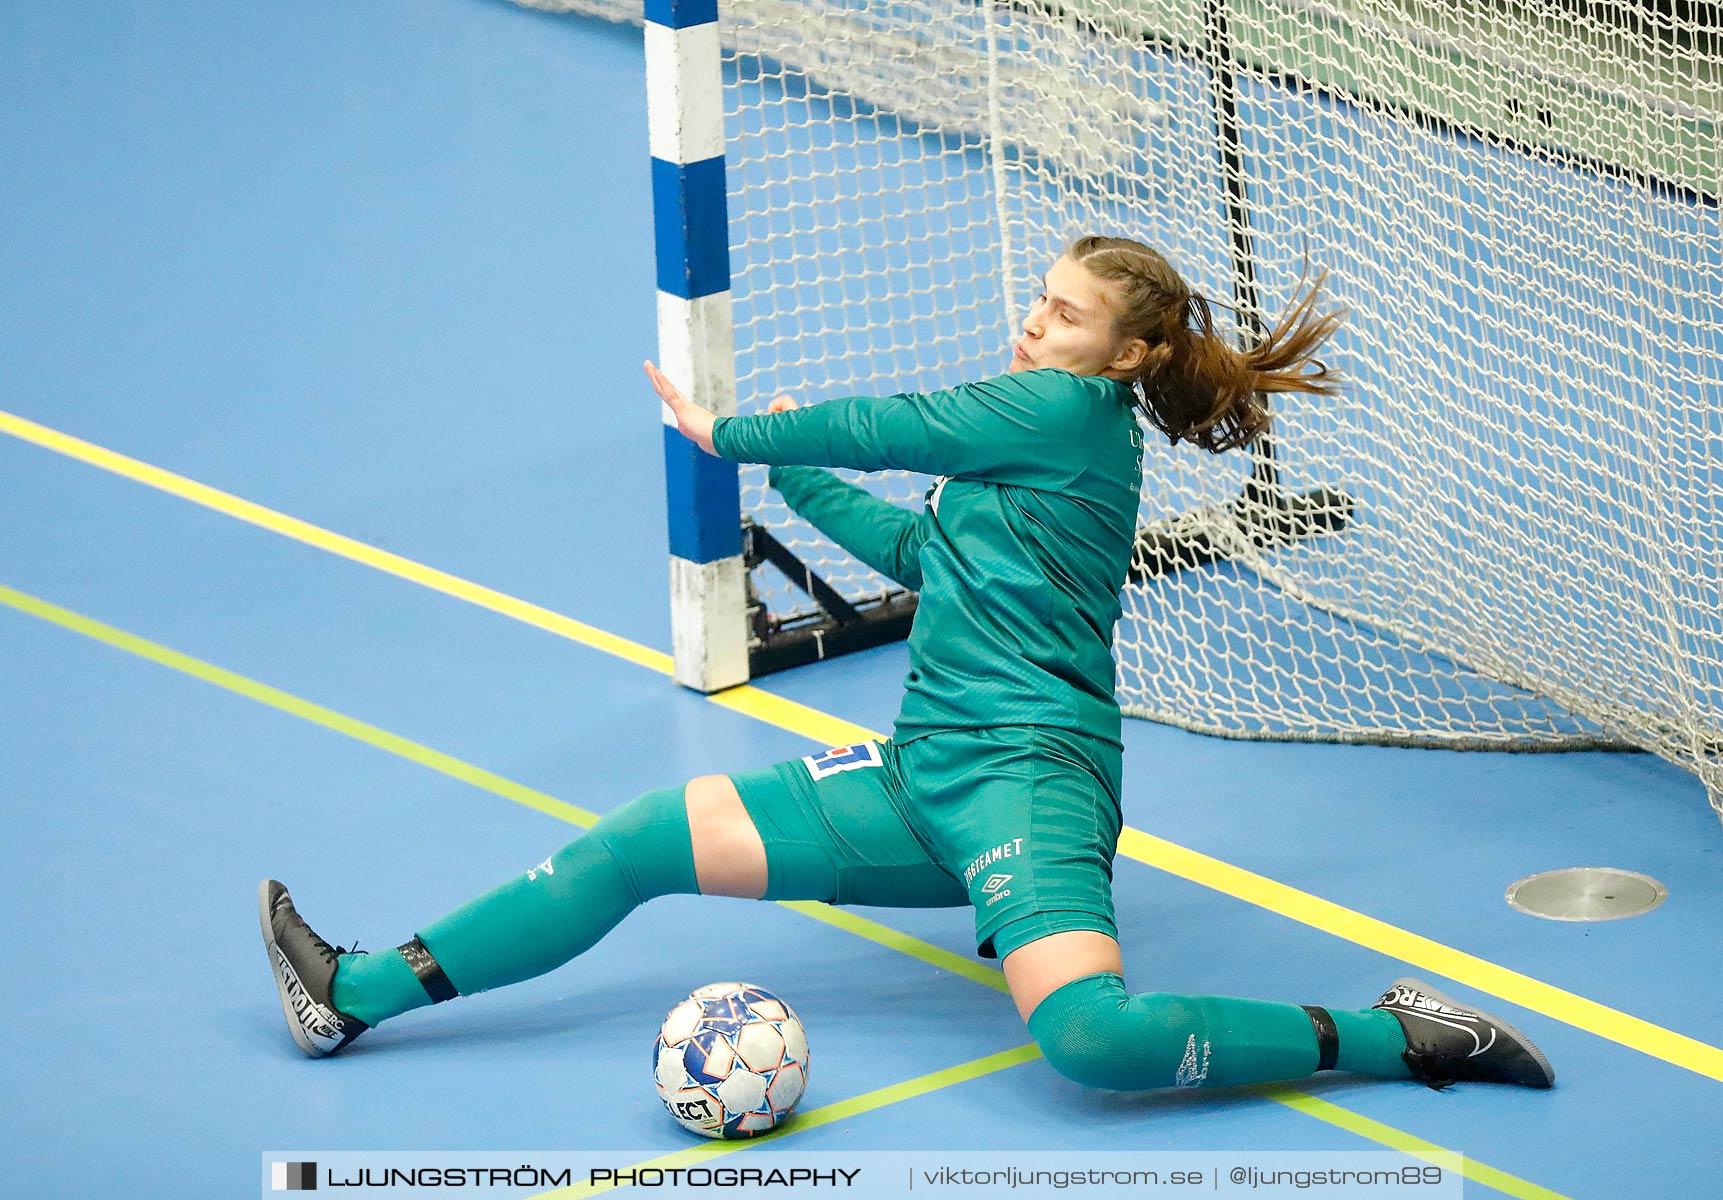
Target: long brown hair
x=1196, y=387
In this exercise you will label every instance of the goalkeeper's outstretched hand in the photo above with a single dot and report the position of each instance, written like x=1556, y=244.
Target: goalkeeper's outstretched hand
x=694, y=421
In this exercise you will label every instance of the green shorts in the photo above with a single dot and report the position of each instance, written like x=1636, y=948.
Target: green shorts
x=1022, y=823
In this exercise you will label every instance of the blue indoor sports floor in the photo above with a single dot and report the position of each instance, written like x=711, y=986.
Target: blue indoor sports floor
x=385, y=270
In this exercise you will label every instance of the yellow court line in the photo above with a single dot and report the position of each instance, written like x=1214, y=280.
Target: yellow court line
x=892, y=939
x=1398, y=1139
x=763, y=706
x=814, y=1118
x=445, y=764
x=1480, y=974
x=792, y=717
x=1328, y=917
x=314, y=535
x=880, y=934
x=382, y=739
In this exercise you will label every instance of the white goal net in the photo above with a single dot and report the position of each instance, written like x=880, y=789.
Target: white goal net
x=1508, y=533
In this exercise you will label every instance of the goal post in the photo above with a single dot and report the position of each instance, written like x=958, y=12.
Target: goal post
x=722, y=633
x=1507, y=533
x=696, y=338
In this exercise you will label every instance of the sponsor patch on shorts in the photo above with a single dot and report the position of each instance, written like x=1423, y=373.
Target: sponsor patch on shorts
x=843, y=758
x=1011, y=849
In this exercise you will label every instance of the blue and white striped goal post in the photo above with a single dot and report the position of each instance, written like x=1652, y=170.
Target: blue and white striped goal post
x=696, y=339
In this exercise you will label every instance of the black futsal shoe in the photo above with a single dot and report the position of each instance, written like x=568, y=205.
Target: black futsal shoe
x=304, y=966
x=1446, y=1042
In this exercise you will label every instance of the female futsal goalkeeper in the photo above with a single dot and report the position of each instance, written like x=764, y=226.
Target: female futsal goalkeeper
x=1000, y=786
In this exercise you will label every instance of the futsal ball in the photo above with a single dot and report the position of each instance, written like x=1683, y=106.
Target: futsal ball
x=730, y=1061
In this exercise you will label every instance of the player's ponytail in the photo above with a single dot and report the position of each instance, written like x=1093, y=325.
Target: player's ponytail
x=1195, y=387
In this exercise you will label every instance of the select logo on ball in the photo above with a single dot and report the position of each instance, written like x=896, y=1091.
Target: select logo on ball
x=731, y=1061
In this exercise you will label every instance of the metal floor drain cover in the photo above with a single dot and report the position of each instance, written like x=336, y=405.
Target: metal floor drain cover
x=1586, y=894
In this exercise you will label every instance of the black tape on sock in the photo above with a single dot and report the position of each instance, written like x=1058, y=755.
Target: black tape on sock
x=1327, y=1038
x=431, y=977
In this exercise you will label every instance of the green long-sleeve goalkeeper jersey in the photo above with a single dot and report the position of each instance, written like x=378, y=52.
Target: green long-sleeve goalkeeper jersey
x=1019, y=555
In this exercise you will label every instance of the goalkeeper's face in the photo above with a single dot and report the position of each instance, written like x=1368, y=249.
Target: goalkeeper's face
x=1070, y=326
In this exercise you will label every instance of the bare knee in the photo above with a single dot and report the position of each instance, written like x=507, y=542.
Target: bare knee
x=729, y=857
x=1038, y=969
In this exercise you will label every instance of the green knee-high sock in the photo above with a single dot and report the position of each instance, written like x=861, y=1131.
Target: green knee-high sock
x=1095, y=1032
x=539, y=920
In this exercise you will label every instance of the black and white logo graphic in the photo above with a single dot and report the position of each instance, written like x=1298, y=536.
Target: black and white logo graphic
x=292, y=1177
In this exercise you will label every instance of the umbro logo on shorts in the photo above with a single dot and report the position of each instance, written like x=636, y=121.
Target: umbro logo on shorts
x=843, y=758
